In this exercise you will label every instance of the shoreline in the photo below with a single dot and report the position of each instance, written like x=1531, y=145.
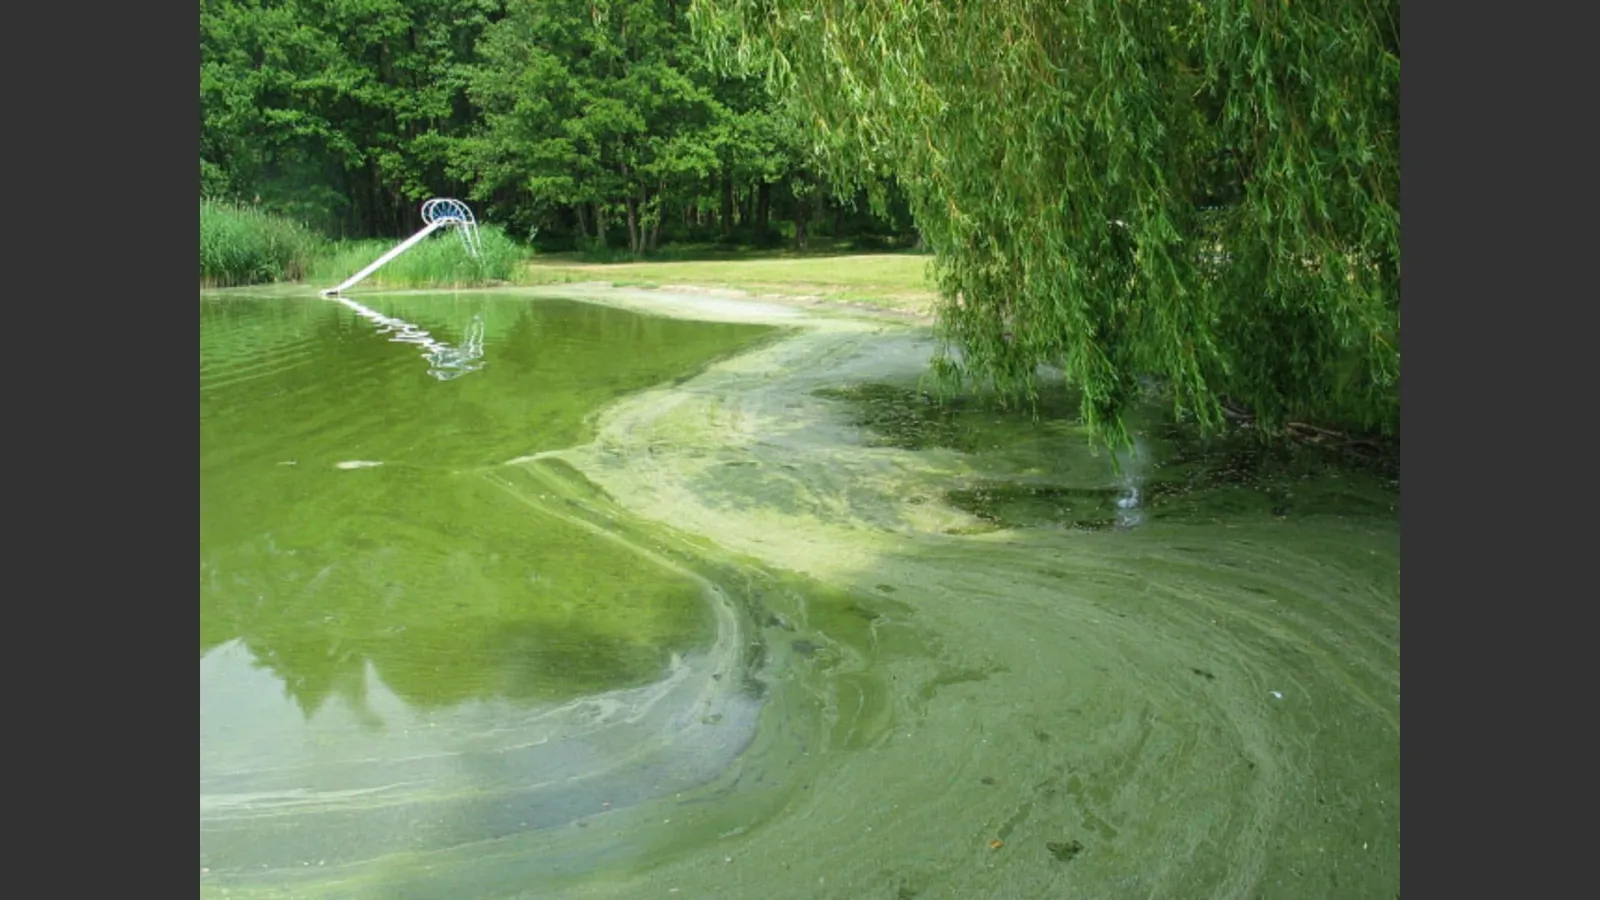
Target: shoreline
x=663, y=297
x=726, y=304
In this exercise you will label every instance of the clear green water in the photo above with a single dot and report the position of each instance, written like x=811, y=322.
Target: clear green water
x=778, y=629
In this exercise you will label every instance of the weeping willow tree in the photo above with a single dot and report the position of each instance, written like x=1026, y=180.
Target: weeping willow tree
x=1202, y=195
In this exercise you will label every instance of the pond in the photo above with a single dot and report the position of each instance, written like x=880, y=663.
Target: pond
x=509, y=593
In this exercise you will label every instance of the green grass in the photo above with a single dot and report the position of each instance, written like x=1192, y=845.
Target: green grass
x=778, y=244
x=439, y=261
x=890, y=280
x=243, y=245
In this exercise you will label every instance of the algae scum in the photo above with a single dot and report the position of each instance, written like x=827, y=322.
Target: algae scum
x=508, y=595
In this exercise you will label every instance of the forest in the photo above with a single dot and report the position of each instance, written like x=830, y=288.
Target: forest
x=573, y=125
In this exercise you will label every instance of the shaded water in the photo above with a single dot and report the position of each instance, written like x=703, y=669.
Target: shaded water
x=807, y=635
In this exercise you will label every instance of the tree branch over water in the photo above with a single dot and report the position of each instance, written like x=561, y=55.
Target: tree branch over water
x=1203, y=194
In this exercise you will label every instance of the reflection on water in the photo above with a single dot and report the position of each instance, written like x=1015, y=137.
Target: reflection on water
x=401, y=647
x=368, y=773
x=453, y=362
x=447, y=362
x=786, y=628
x=1131, y=468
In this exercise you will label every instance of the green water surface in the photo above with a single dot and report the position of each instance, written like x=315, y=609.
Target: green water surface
x=367, y=583
x=621, y=605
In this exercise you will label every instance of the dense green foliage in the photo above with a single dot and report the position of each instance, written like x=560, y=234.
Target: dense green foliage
x=337, y=112
x=556, y=118
x=438, y=261
x=1204, y=194
x=243, y=245
x=603, y=109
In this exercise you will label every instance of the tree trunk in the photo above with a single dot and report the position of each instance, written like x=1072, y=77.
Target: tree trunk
x=600, y=224
x=727, y=202
x=802, y=213
x=633, y=225
x=838, y=220
x=374, y=203
x=763, y=205
x=655, y=226
x=583, y=226
x=350, y=216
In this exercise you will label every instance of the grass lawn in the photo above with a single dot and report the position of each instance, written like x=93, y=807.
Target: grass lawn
x=889, y=280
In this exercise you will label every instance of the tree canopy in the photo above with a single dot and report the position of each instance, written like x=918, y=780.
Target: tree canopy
x=340, y=112
x=1204, y=194
x=554, y=116
x=601, y=107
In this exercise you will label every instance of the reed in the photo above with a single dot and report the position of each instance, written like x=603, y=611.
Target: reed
x=243, y=245
x=439, y=261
